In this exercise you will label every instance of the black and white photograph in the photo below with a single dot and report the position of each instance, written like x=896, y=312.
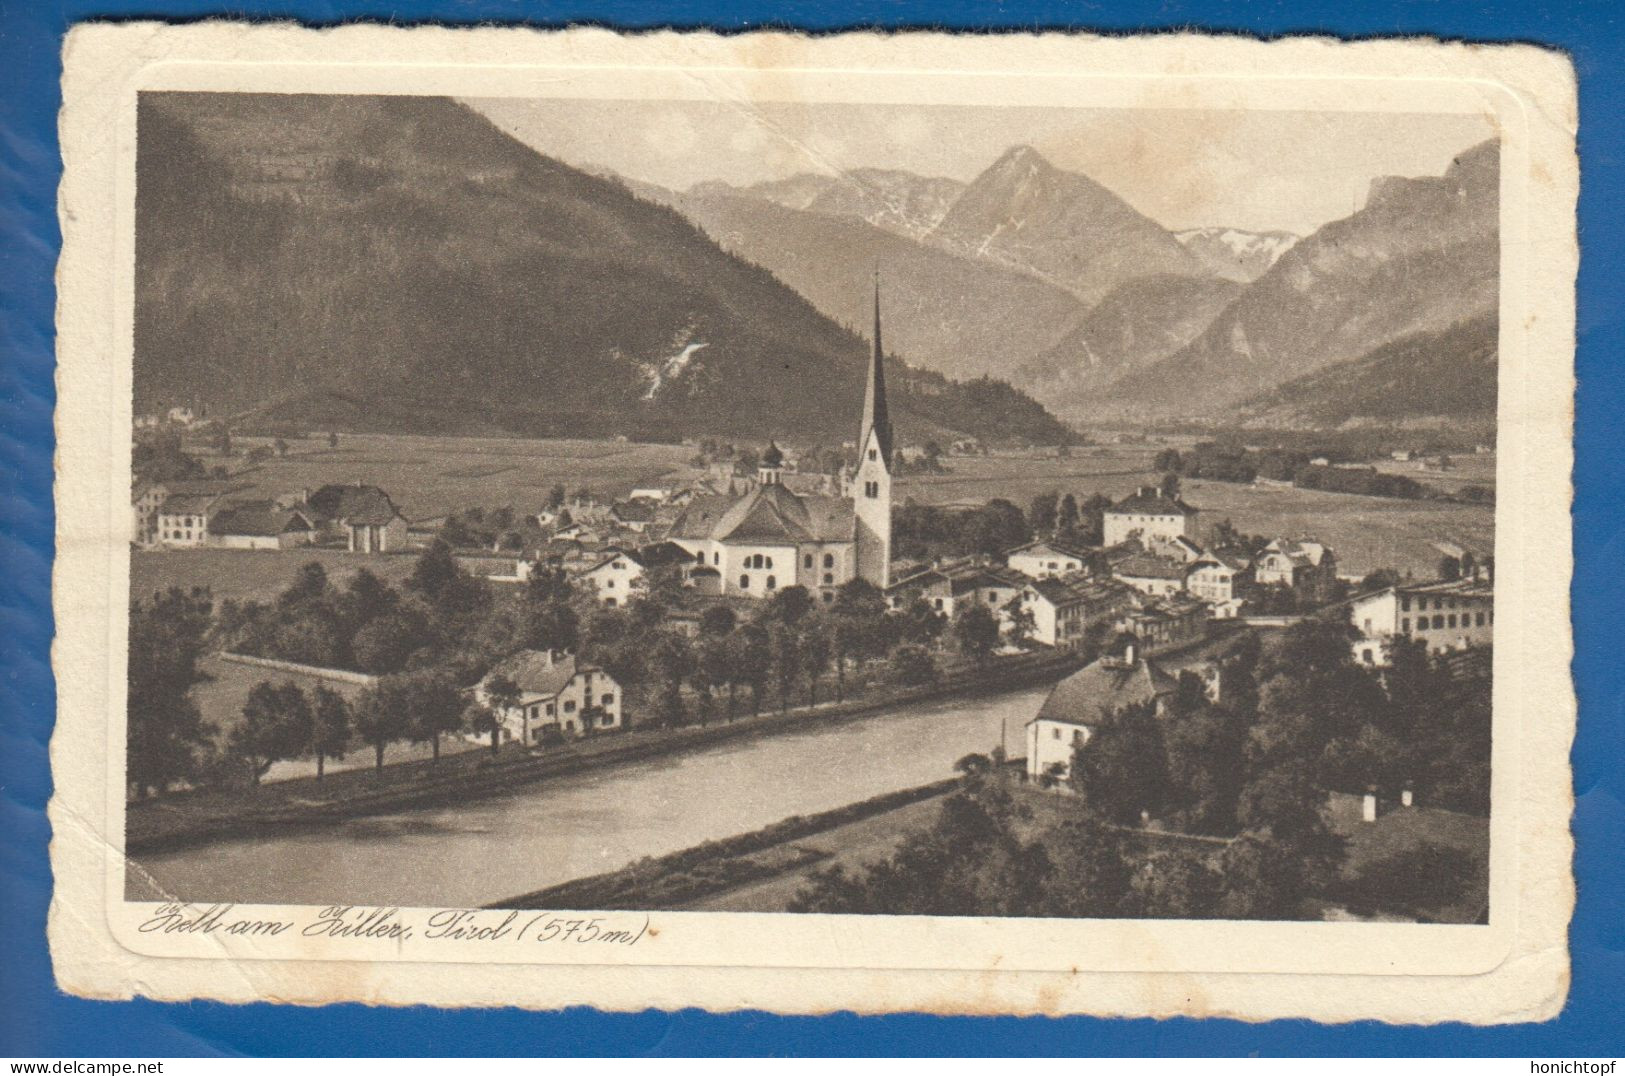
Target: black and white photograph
x=812, y=508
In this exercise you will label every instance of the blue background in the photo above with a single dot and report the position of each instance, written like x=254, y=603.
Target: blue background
x=35, y=1019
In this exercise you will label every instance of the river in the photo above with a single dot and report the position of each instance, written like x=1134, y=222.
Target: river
x=587, y=823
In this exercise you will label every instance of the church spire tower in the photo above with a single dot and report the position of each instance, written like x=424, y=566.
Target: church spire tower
x=871, y=488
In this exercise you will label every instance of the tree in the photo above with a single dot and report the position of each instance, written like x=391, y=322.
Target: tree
x=753, y=659
x=976, y=630
x=816, y=650
x=555, y=498
x=281, y=447
x=436, y=709
x=675, y=662
x=786, y=648
x=381, y=716
x=501, y=696
x=789, y=605
x=1066, y=515
x=1177, y=886
x=1449, y=568
x=167, y=734
x=1122, y=769
x=384, y=643
x=309, y=585
x=435, y=572
x=1023, y=624
x=718, y=620
x=1090, y=876
x=222, y=440
x=330, y=726
x=276, y=725
x=332, y=440
x=913, y=666
x=1169, y=486
x=1042, y=512
x=717, y=654
x=1167, y=460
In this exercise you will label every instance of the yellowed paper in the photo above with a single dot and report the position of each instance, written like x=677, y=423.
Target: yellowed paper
x=125, y=926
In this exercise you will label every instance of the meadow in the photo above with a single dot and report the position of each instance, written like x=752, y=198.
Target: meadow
x=430, y=476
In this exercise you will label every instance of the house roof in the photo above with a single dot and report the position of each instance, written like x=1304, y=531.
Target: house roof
x=354, y=505
x=1465, y=588
x=188, y=504
x=1095, y=692
x=1229, y=560
x=609, y=556
x=1151, y=503
x=1149, y=566
x=260, y=519
x=637, y=510
x=656, y=554
x=537, y=672
x=1038, y=548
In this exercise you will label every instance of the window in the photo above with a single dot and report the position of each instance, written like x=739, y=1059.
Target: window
x=829, y=578
x=700, y=556
x=828, y=597
x=871, y=489
x=807, y=561
x=772, y=583
x=1405, y=625
x=607, y=721
x=829, y=560
x=1452, y=620
x=569, y=706
x=716, y=558
x=610, y=602
x=744, y=582
x=608, y=699
x=1365, y=656
x=1057, y=734
x=872, y=454
x=609, y=584
x=1368, y=625
x=549, y=709
x=1481, y=620
x=1438, y=621
x=938, y=603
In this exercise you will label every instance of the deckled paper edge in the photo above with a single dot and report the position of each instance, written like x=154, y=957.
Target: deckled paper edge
x=1530, y=985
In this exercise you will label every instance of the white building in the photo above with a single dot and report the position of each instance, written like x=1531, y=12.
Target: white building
x=613, y=575
x=1445, y=616
x=1220, y=579
x=1044, y=560
x=1063, y=611
x=183, y=519
x=1148, y=515
x=771, y=537
x=1084, y=701
x=558, y=695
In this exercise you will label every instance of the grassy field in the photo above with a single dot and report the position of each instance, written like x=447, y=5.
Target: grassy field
x=252, y=574
x=1471, y=469
x=429, y=476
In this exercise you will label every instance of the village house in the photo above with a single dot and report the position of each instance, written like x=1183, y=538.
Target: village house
x=1045, y=560
x=1064, y=611
x=612, y=576
x=635, y=515
x=364, y=515
x=1221, y=580
x=1090, y=697
x=183, y=519
x=260, y=525
x=1151, y=574
x=950, y=586
x=1150, y=516
x=495, y=566
x=559, y=695
x=1166, y=624
x=1446, y=615
x=1307, y=566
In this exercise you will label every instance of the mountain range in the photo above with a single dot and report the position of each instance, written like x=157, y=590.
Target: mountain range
x=1419, y=257
x=400, y=263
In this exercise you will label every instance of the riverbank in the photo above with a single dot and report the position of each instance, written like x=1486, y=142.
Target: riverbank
x=715, y=867
x=200, y=817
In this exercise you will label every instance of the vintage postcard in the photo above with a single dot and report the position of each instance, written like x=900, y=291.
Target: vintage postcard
x=1030, y=524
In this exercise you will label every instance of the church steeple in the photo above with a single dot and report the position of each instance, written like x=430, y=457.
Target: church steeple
x=871, y=485
x=876, y=417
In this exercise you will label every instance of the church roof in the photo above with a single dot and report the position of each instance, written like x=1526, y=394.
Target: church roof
x=876, y=414
x=768, y=514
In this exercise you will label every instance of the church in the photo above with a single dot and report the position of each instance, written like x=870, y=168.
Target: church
x=771, y=537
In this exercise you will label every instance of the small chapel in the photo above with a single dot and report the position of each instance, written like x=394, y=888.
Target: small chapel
x=771, y=537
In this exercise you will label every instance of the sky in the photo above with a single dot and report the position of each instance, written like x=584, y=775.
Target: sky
x=1183, y=168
